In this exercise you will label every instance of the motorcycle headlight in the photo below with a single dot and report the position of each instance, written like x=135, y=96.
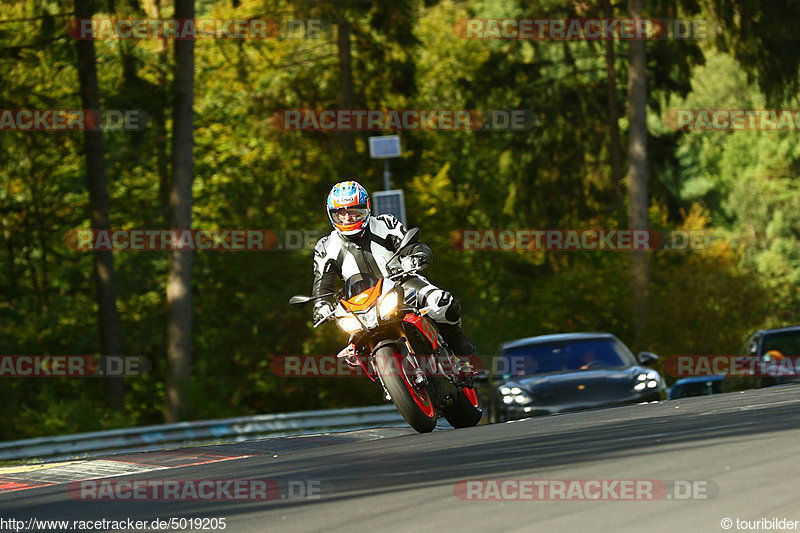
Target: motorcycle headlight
x=370, y=318
x=389, y=304
x=348, y=324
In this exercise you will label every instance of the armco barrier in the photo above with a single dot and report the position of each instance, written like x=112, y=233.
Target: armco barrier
x=148, y=438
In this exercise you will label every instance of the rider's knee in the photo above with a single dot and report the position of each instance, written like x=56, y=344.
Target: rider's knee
x=453, y=312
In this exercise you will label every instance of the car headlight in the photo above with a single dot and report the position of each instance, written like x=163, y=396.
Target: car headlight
x=348, y=324
x=389, y=304
x=648, y=380
x=515, y=395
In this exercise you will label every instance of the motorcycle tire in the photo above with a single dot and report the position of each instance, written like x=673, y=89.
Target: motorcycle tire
x=414, y=404
x=466, y=411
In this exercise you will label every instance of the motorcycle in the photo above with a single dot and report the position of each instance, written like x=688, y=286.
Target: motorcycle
x=396, y=345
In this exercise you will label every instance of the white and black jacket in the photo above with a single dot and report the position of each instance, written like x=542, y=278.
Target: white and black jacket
x=339, y=256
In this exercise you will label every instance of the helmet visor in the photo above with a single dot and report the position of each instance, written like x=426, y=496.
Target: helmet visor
x=349, y=215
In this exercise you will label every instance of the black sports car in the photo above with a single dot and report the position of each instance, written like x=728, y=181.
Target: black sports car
x=568, y=372
x=773, y=358
x=695, y=386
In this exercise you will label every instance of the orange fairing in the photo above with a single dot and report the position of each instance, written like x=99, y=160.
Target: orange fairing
x=363, y=301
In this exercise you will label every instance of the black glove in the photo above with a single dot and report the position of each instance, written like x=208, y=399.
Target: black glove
x=418, y=255
x=411, y=262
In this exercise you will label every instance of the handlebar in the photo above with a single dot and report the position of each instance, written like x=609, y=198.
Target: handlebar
x=325, y=318
x=405, y=273
x=394, y=276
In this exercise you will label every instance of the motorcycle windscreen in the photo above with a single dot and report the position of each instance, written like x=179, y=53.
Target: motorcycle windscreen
x=361, y=292
x=358, y=283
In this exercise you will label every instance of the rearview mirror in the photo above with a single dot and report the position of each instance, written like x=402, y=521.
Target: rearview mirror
x=299, y=300
x=411, y=237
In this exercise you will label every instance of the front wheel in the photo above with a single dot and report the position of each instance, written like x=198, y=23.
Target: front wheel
x=413, y=402
x=466, y=411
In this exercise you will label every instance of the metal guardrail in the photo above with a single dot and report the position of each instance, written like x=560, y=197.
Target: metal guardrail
x=149, y=438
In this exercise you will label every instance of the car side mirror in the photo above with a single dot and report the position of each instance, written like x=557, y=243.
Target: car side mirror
x=647, y=358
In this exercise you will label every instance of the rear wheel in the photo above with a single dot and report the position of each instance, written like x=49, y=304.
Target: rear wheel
x=413, y=401
x=466, y=411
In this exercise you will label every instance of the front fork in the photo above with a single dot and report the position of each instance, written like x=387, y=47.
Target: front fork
x=441, y=363
x=409, y=362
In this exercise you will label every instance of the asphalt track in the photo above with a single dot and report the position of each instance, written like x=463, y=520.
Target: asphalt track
x=739, y=449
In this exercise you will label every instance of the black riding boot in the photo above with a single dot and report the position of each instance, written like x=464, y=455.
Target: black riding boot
x=461, y=347
x=456, y=339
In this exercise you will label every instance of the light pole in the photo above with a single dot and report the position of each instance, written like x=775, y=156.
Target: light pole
x=388, y=201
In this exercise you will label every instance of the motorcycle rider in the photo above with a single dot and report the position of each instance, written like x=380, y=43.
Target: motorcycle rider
x=362, y=243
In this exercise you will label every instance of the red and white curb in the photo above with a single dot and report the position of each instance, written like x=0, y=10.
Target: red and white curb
x=24, y=477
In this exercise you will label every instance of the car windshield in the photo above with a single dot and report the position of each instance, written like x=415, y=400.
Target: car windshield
x=358, y=283
x=565, y=357
x=696, y=388
x=787, y=343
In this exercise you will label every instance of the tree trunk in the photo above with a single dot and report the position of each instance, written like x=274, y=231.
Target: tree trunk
x=615, y=146
x=179, y=277
x=347, y=100
x=637, y=174
x=108, y=320
x=159, y=117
